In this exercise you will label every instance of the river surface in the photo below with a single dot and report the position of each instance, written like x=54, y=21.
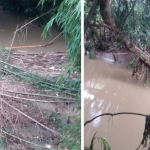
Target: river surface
x=28, y=36
x=109, y=88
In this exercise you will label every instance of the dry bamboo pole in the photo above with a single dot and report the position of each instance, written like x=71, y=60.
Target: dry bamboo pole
x=41, y=95
x=34, y=100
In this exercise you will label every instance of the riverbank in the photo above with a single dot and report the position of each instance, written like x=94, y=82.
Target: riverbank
x=38, y=105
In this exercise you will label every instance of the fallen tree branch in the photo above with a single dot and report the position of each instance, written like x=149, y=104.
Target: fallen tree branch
x=30, y=117
x=110, y=114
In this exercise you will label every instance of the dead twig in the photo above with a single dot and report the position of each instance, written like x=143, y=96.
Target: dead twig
x=110, y=114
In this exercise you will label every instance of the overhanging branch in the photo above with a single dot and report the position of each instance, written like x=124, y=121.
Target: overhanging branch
x=110, y=114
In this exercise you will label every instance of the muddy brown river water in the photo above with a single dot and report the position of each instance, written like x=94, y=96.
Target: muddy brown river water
x=31, y=35
x=109, y=88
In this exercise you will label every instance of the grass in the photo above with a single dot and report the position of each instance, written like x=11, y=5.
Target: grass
x=92, y=55
x=71, y=134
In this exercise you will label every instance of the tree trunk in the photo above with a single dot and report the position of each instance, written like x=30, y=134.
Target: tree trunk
x=144, y=57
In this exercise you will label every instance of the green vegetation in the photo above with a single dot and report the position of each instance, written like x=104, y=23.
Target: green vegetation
x=92, y=55
x=103, y=142
x=71, y=134
x=130, y=17
x=68, y=17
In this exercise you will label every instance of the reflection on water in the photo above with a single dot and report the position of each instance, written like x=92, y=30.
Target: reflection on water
x=30, y=35
x=110, y=89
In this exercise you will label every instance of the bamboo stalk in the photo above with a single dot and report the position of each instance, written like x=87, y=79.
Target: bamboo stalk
x=49, y=54
x=41, y=95
x=39, y=77
x=34, y=100
x=31, y=46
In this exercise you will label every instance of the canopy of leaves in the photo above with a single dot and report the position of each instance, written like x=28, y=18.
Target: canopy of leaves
x=132, y=17
x=68, y=17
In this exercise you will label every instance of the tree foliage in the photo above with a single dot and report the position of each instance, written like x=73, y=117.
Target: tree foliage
x=68, y=18
x=131, y=17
